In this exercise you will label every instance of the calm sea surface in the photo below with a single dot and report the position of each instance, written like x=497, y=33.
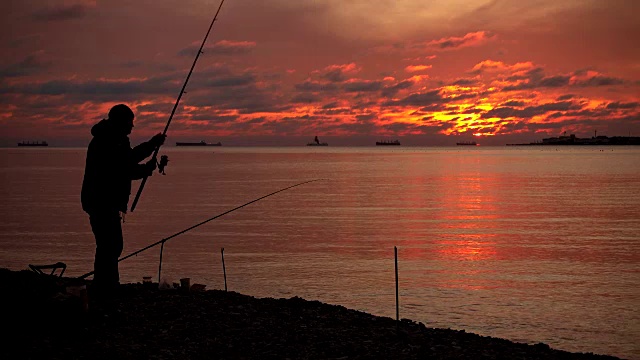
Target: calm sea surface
x=530, y=244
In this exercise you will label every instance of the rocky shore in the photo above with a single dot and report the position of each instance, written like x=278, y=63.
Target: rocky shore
x=47, y=318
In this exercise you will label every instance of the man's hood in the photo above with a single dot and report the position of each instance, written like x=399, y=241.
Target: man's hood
x=103, y=128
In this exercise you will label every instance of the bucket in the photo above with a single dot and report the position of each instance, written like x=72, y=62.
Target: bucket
x=185, y=284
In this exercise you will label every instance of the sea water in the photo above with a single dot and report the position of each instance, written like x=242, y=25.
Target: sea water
x=532, y=244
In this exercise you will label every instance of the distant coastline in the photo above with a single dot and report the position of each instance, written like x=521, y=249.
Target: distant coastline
x=595, y=140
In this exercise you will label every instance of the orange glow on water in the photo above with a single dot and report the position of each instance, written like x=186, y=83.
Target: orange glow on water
x=469, y=250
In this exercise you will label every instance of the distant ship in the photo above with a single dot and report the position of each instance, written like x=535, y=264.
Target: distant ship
x=35, y=143
x=201, y=143
x=471, y=143
x=395, y=142
x=317, y=143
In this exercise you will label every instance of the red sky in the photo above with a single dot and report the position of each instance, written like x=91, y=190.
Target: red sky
x=279, y=72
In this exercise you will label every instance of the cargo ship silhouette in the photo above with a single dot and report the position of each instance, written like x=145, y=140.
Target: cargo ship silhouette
x=34, y=143
x=317, y=143
x=386, y=143
x=201, y=143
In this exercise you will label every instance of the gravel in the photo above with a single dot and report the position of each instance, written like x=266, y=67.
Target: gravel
x=46, y=319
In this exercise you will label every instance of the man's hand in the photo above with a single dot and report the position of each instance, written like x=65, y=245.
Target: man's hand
x=158, y=140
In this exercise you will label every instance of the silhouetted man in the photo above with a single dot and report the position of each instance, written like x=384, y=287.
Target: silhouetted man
x=111, y=165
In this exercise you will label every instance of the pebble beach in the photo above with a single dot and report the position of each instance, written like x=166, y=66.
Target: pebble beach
x=49, y=319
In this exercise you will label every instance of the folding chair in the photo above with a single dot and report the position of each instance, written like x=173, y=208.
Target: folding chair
x=59, y=265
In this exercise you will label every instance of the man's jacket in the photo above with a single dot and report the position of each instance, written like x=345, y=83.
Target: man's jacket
x=111, y=165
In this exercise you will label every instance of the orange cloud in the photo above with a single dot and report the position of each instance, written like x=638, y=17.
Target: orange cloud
x=470, y=39
x=338, y=73
x=234, y=46
x=417, y=68
x=419, y=78
x=499, y=66
x=346, y=68
x=430, y=57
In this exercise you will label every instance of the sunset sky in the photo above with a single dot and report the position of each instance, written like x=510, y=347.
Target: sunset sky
x=279, y=72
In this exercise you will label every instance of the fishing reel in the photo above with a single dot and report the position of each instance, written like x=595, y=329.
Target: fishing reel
x=164, y=161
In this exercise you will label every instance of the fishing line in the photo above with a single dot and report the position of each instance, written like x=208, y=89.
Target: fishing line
x=161, y=242
x=175, y=107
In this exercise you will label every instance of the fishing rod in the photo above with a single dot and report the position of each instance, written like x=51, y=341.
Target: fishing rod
x=161, y=242
x=155, y=153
